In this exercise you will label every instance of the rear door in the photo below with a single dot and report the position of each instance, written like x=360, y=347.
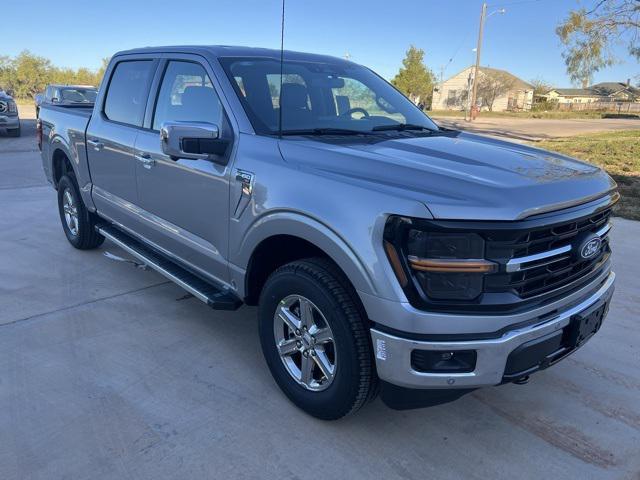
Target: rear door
x=111, y=136
x=186, y=201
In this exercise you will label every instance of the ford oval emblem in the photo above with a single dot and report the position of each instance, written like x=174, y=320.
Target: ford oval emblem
x=590, y=248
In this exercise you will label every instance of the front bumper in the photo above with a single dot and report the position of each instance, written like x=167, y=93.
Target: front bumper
x=393, y=353
x=9, y=122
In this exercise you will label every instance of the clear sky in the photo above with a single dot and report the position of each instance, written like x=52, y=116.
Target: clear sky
x=75, y=33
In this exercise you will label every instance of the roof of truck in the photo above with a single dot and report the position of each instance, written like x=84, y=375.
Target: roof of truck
x=233, y=51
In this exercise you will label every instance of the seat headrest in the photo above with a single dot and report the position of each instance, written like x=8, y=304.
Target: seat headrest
x=194, y=95
x=294, y=95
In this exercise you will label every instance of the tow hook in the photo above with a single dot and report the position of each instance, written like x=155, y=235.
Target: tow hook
x=522, y=380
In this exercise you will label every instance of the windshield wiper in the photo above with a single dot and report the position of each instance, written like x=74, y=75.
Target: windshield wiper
x=324, y=131
x=401, y=127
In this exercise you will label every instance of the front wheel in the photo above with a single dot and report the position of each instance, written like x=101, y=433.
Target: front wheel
x=316, y=340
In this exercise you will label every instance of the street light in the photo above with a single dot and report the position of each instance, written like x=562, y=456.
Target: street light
x=483, y=18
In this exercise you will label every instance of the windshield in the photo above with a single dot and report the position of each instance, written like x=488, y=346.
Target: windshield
x=78, y=95
x=336, y=97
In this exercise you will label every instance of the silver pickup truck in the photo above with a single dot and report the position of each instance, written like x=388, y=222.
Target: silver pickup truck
x=385, y=254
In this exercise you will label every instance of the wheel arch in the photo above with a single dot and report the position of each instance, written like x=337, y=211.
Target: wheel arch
x=285, y=237
x=61, y=164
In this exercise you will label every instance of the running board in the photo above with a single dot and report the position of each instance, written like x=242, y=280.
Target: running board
x=218, y=298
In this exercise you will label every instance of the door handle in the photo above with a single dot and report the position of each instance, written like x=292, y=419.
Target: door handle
x=145, y=158
x=96, y=144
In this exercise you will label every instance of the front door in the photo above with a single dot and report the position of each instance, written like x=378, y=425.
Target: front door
x=186, y=201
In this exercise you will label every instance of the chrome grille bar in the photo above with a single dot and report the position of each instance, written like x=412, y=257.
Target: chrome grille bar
x=604, y=230
x=520, y=263
x=516, y=264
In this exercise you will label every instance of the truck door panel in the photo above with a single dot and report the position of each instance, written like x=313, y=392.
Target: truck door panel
x=186, y=201
x=111, y=136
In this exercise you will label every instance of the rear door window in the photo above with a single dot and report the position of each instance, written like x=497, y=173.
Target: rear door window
x=127, y=94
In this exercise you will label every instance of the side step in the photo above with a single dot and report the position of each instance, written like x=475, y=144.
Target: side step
x=218, y=298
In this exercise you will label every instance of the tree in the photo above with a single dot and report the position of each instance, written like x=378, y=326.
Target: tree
x=589, y=34
x=101, y=71
x=28, y=74
x=414, y=79
x=540, y=86
x=492, y=85
x=31, y=74
x=6, y=71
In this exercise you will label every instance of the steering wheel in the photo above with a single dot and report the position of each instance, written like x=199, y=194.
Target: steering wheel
x=351, y=111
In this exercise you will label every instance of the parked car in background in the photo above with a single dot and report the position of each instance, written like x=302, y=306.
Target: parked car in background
x=9, y=117
x=66, y=95
x=381, y=250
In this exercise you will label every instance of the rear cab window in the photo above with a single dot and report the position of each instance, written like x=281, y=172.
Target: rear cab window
x=127, y=92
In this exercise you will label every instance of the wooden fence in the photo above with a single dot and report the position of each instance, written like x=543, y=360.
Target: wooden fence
x=615, y=107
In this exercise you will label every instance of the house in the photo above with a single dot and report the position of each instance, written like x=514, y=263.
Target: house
x=600, y=92
x=572, y=95
x=498, y=90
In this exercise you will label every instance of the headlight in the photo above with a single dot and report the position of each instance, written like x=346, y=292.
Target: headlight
x=447, y=265
x=13, y=108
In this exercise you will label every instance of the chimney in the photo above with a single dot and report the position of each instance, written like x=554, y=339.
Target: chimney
x=628, y=82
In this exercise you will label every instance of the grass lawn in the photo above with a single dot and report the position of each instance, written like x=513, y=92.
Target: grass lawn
x=618, y=153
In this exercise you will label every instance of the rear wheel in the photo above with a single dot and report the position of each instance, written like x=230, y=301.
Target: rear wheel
x=77, y=222
x=315, y=339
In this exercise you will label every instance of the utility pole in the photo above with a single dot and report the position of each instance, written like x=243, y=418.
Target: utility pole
x=474, y=90
x=483, y=18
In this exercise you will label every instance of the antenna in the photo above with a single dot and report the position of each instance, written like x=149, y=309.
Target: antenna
x=281, y=72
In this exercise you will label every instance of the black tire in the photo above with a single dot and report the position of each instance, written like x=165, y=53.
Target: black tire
x=14, y=132
x=86, y=237
x=355, y=380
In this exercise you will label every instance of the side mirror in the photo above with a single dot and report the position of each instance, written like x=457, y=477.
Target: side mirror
x=55, y=100
x=193, y=140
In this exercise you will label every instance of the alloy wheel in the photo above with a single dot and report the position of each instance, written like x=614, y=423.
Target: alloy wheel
x=305, y=342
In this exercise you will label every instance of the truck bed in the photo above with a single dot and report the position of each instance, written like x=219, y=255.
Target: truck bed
x=64, y=128
x=83, y=110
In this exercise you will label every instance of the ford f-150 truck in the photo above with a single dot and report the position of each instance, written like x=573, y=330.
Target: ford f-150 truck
x=385, y=254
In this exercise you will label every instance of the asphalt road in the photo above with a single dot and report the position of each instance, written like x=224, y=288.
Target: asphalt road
x=110, y=372
x=534, y=129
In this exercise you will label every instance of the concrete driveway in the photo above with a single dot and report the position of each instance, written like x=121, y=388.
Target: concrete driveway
x=110, y=372
x=536, y=129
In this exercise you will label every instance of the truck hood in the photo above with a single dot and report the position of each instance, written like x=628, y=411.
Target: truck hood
x=455, y=175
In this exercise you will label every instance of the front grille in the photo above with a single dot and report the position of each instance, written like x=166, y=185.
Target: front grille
x=547, y=271
x=538, y=259
x=4, y=106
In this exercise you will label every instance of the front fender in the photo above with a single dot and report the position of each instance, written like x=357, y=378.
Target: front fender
x=299, y=225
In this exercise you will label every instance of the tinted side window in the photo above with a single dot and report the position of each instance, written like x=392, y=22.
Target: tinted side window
x=127, y=94
x=187, y=94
